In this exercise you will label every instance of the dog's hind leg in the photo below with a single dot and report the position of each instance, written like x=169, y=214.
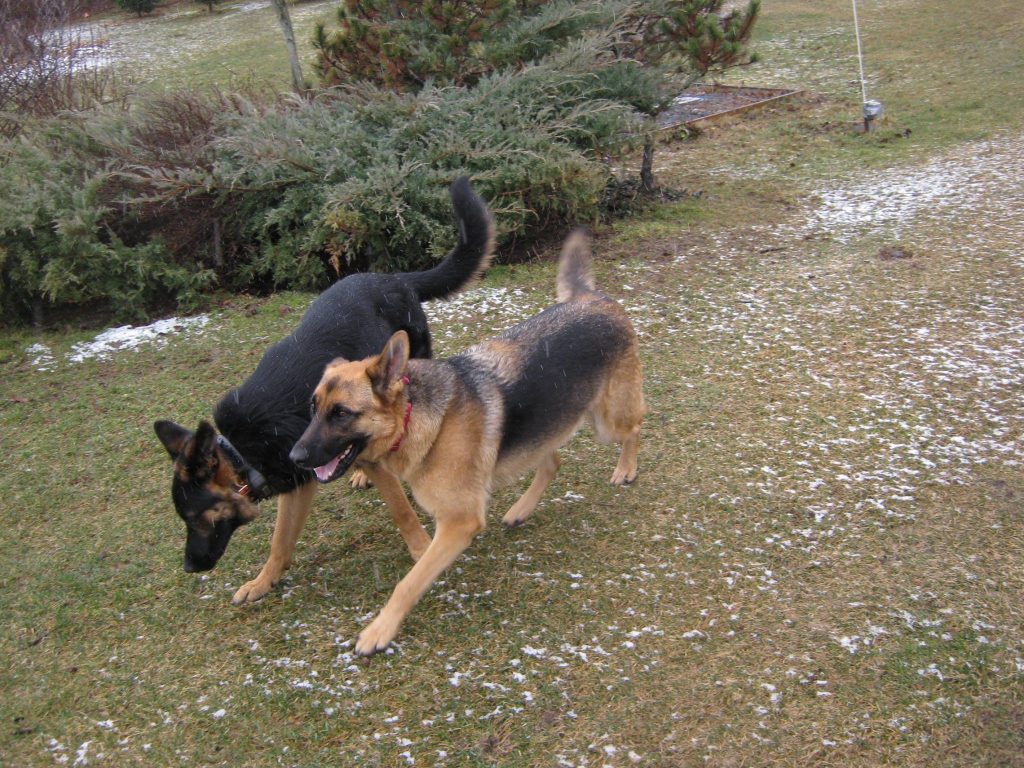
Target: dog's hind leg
x=292, y=510
x=402, y=513
x=524, y=507
x=455, y=532
x=617, y=416
x=626, y=470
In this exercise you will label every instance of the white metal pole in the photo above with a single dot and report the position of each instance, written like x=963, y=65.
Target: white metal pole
x=860, y=54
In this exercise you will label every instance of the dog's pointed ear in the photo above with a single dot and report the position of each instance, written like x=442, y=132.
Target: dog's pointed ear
x=173, y=436
x=202, y=451
x=390, y=365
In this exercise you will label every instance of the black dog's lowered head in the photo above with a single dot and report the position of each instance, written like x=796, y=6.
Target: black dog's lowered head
x=213, y=489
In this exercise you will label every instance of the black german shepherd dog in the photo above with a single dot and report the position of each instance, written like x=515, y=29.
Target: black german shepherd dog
x=218, y=477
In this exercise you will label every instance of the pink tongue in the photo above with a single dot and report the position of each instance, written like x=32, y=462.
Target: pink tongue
x=324, y=473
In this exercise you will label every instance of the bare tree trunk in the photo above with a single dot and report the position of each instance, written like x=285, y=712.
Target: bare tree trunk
x=218, y=245
x=38, y=313
x=285, y=19
x=647, y=182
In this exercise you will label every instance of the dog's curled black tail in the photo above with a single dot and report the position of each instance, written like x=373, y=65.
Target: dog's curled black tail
x=471, y=255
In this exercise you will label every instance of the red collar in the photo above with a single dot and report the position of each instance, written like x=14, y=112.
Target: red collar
x=405, y=423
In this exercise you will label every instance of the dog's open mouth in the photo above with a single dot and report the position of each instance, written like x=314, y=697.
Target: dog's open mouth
x=336, y=467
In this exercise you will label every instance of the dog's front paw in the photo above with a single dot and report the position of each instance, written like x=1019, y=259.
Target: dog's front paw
x=517, y=515
x=359, y=480
x=252, y=591
x=376, y=637
x=624, y=476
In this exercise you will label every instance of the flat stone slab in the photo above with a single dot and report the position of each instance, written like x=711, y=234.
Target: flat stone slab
x=706, y=102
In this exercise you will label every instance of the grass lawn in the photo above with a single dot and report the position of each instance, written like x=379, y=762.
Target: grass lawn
x=820, y=564
x=183, y=44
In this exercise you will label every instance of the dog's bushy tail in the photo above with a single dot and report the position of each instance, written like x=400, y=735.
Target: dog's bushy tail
x=574, y=266
x=471, y=255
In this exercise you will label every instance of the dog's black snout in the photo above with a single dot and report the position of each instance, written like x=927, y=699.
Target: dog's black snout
x=258, y=484
x=299, y=454
x=198, y=566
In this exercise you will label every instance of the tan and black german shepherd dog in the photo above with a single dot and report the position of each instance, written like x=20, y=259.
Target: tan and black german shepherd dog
x=218, y=477
x=456, y=429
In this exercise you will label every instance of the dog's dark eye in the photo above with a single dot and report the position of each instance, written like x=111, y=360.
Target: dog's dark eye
x=312, y=407
x=341, y=412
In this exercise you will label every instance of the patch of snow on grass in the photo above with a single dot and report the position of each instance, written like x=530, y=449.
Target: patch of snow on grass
x=115, y=340
x=41, y=357
x=894, y=198
x=127, y=337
